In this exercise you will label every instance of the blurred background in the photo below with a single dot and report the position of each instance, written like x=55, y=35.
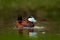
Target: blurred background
x=46, y=12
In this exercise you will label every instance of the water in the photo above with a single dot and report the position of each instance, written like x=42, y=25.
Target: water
x=32, y=34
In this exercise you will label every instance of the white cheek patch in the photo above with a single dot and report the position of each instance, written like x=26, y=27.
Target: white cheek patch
x=31, y=20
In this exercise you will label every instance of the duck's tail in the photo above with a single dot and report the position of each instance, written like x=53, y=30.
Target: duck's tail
x=19, y=19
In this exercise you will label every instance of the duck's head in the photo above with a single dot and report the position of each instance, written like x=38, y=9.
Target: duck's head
x=31, y=19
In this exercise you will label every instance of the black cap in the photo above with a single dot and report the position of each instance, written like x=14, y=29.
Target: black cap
x=30, y=17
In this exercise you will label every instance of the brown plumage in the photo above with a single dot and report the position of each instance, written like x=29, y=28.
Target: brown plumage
x=20, y=24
